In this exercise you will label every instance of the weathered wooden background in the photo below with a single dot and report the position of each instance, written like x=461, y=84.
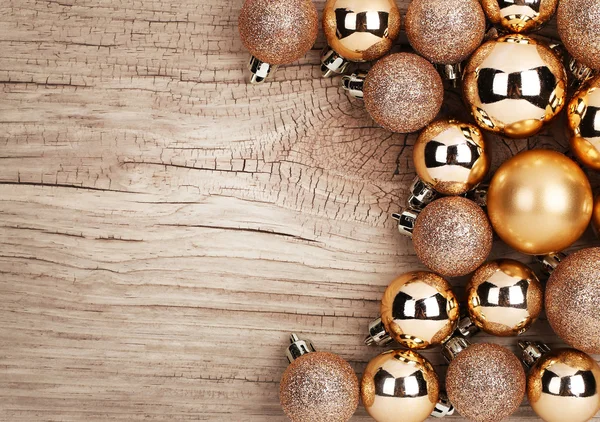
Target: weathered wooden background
x=164, y=226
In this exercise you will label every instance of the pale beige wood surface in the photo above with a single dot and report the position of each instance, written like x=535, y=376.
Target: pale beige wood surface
x=164, y=226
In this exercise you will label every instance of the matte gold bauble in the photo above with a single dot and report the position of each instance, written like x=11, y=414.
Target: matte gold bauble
x=361, y=30
x=578, y=23
x=504, y=297
x=583, y=115
x=419, y=310
x=539, y=202
x=399, y=382
x=514, y=85
x=564, y=385
x=521, y=16
x=451, y=157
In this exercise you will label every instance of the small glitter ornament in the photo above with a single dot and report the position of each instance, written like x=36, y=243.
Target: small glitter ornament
x=521, y=16
x=276, y=32
x=583, y=114
x=452, y=236
x=563, y=384
x=513, y=85
x=357, y=31
x=418, y=310
x=504, y=297
x=578, y=23
x=317, y=386
x=573, y=300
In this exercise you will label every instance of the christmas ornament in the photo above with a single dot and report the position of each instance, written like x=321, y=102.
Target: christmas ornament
x=452, y=236
x=583, y=115
x=519, y=16
x=418, y=310
x=513, y=85
x=357, y=31
x=276, y=32
x=451, y=157
x=402, y=382
x=573, y=300
x=317, y=386
x=485, y=382
x=563, y=384
x=578, y=23
x=596, y=215
x=403, y=92
x=539, y=202
x=504, y=297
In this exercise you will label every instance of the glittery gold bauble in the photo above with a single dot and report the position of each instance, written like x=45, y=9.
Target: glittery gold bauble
x=361, y=30
x=515, y=16
x=485, y=382
x=403, y=92
x=578, y=23
x=452, y=236
x=504, y=297
x=573, y=300
x=399, y=382
x=319, y=387
x=583, y=115
x=445, y=31
x=419, y=310
x=451, y=157
x=564, y=385
x=278, y=31
x=513, y=85
x=539, y=202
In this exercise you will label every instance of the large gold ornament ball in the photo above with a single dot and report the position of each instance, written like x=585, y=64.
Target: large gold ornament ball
x=573, y=300
x=521, y=16
x=539, y=202
x=361, y=30
x=578, y=23
x=514, y=85
x=504, y=297
x=419, y=310
x=451, y=157
x=564, y=385
x=596, y=215
x=399, y=382
x=583, y=115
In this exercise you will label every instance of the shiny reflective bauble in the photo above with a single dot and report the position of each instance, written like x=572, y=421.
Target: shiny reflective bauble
x=596, y=215
x=513, y=85
x=504, y=297
x=452, y=236
x=519, y=16
x=451, y=157
x=485, y=382
x=583, y=115
x=319, y=387
x=419, y=310
x=278, y=31
x=573, y=300
x=445, y=31
x=399, y=382
x=539, y=202
x=578, y=23
x=361, y=30
x=564, y=385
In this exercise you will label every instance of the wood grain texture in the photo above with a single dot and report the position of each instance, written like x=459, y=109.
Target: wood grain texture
x=164, y=226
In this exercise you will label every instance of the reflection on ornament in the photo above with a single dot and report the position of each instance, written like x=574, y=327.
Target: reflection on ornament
x=515, y=16
x=583, y=115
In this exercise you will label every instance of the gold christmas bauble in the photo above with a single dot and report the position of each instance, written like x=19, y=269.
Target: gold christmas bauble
x=596, y=215
x=514, y=85
x=504, y=297
x=521, y=16
x=399, y=382
x=564, y=385
x=361, y=30
x=539, y=202
x=583, y=115
x=451, y=157
x=578, y=24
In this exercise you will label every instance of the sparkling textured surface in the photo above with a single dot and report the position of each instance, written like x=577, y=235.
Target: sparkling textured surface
x=485, y=382
x=578, y=24
x=319, y=387
x=278, y=31
x=452, y=236
x=445, y=31
x=403, y=92
x=573, y=300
